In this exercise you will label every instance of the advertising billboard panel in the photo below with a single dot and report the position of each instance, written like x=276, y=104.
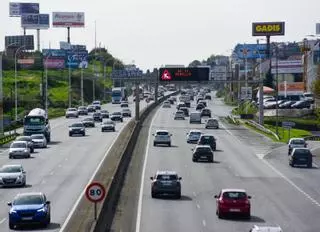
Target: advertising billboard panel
x=184, y=74
x=77, y=59
x=250, y=51
x=17, y=9
x=68, y=19
x=65, y=45
x=54, y=63
x=54, y=53
x=35, y=21
x=268, y=28
x=27, y=61
x=293, y=88
x=19, y=41
x=286, y=66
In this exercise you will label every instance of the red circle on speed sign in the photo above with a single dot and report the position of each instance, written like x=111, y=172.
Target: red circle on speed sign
x=95, y=192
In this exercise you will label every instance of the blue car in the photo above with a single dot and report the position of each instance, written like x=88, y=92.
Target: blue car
x=29, y=209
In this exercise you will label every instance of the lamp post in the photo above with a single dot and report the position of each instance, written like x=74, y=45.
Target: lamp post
x=275, y=49
x=46, y=85
x=1, y=92
x=15, y=83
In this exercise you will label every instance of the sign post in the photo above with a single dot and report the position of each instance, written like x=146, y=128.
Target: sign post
x=95, y=192
x=288, y=126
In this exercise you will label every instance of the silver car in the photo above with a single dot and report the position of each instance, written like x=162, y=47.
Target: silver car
x=212, y=123
x=72, y=112
x=12, y=175
x=108, y=125
x=39, y=140
x=19, y=149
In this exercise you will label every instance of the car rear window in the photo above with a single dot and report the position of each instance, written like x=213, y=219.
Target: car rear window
x=298, y=141
x=77, y=125
x=10, y=169
x=234, y=195
x=162, y=133
x=207, y=138
x=167, y=177
x=18, y=145
x=302, y=152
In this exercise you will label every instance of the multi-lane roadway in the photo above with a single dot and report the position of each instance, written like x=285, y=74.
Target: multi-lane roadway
x=62, y=170
x=281, y=195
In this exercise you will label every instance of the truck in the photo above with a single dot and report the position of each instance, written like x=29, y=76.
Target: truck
x=37, y=122
x=118, y=94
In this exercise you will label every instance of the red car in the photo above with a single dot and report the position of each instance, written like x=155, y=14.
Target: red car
x=233, y=201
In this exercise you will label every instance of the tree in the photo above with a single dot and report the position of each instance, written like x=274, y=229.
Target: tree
x=195, y=63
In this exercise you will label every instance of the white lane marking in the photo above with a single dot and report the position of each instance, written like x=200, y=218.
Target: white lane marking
x=3, y=220
x=204, y=223
x=63, y=227
x=139, y=212
x=51, y=173
x=198, y=206
x=291, y=183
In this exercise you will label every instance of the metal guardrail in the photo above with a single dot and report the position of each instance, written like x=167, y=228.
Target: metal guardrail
x=262, y=128
x=312, y=138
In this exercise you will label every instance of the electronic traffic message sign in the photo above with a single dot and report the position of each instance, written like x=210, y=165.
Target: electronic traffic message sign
x=184, y=74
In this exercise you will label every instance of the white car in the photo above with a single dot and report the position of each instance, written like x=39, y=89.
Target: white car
x=166, y=104
x=179, y=115
x=193, y=136
x=72, y=112
x=296, y=143
x=19, y=149
x=39, y=140
x=162, y=137
x=12, y=175
x=126, y=112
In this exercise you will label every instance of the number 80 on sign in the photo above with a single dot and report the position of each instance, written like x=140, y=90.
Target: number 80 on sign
x=95, y=192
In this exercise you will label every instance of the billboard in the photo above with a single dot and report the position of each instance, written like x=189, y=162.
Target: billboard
x=68, y=19
x=184, y=74
x=268, y=28
x=65, y=45
x=17, y=9
x=286, y=66
x=54, y=63
x=126, y=73
x=19, y=41
x=35, y=21
x=77, y=59
x=250, y=51
x=293, y=88
x=27, y=61
x=54, y=53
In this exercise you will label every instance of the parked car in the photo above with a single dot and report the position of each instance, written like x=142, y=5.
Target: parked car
x=300, y=156
x=28, y=140
x=19, y=149
x=162, y=137
x=193, y=136
x=295, y=143
x=39, y=140
x=12, y=175
x=301, y=105
x=212, y=123
x=286, y=104
x=210, y=140
x=29, y=209
x=202, y=152
x=233, y=201
x=126, y=112
x=108, y=125
x=88, y=122
x=179, y=115
x=91, y=108
x=82, y=110
x=166, y=182
x=77, y=129
x=116, y=116
x=97, y=117
x=104, y=113
x=72, y=112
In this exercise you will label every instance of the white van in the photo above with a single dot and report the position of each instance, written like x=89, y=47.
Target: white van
x=195, y=117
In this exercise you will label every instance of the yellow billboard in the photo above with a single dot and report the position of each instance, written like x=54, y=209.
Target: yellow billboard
x=268, y=28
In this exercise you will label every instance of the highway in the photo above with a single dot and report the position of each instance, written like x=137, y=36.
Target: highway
x=63, y=169
x=281, y=195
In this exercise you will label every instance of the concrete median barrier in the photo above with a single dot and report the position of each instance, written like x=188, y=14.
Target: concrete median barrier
x=111, y=175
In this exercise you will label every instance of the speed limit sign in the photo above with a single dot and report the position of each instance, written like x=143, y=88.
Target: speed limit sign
x=95, y=192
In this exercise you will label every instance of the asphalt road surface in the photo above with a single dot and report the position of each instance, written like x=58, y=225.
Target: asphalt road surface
x=281, y=195
x=62, y=170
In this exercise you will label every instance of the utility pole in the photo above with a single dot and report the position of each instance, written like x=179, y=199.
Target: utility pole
x=70, y=88
x=137, y=97
x=82, y=100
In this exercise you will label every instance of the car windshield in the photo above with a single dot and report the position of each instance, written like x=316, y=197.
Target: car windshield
x=34, y=120
x=37, y=136
x=234, y=195
x=298, y=142
x=195, y=133
x=28, y=200
x=77, y=125
x=162, y=133
x=10, y=169
x=212, y=121
x=167, y=177
x=18, y=145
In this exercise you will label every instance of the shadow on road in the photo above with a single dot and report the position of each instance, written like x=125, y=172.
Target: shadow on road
x=253, y=219
x=54, y=143
x=173, y=198
x=52, y=226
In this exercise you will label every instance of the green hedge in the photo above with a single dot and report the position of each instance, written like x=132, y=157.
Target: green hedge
x=309, y=124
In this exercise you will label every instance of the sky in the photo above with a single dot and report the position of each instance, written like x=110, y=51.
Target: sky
x=152, y=33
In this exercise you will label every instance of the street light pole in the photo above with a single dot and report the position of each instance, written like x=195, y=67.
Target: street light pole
x=15, y=83
x=70, y=88
x=82, y=100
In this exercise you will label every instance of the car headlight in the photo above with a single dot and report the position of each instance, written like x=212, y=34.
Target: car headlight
x=82, y=129
x=70, y=129
x=13, y=211
x=25, y=150
x=42, y=210
x=20, y=177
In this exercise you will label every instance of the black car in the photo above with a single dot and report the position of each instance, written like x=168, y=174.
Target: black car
x=171, y=101
x=91, y=108
x=77, y=129
x=208, y=140
x=203, y=102
x=202, y=152
x=104, y=113
x=116, y=116
x=200, y=106
x=301, y=105
x=207, y=97
x=28, y=139
x=300, y=156
x=206, y=113
x=185, y=111
x=97, y=117
x=165, y=183
x=88, y=122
